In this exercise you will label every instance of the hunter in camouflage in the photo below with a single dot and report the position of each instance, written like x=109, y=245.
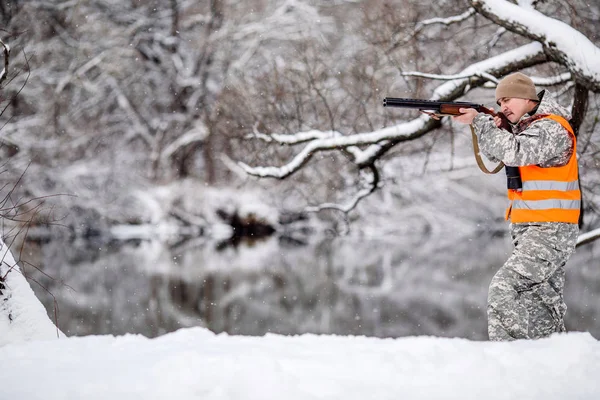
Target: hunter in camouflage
x=525, y=299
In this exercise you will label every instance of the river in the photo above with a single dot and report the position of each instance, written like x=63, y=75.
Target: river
x=383, y=287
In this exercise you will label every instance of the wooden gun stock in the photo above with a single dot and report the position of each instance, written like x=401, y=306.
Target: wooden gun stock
x=438, y=109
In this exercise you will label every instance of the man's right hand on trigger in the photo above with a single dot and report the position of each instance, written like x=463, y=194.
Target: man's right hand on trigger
x=498, y=121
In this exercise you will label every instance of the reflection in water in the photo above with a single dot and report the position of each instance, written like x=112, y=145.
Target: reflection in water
x=385, y=288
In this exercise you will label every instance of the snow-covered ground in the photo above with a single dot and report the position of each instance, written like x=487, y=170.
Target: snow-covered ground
x=194, y=363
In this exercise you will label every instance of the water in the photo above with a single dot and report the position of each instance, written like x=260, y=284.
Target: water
x=385, y=287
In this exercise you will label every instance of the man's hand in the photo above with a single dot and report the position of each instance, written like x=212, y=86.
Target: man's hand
x=498, y=122
x=467, y=116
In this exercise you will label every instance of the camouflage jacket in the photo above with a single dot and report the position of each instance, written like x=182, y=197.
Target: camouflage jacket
x=543, y=142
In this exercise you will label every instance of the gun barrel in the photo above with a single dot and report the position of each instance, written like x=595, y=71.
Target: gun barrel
x=411, y=103
x=425, y=104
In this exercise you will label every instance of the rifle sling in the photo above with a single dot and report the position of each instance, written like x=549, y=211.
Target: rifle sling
x=477, y=154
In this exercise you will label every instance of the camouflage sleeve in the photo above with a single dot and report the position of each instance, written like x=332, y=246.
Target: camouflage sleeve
x=545, y=142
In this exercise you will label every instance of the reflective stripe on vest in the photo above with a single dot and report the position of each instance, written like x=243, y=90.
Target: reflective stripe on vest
x=551, y=185
x=549, y=194
x=546, y=204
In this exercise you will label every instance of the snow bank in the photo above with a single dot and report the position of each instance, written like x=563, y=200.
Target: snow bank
x=197, y=364
x=22, y=315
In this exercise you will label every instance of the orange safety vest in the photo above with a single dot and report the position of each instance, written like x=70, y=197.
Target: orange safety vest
x=549, y=194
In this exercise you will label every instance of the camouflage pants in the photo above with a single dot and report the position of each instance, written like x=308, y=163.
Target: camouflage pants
x=525, y=299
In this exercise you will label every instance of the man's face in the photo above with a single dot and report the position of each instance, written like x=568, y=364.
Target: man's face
x=515, y=108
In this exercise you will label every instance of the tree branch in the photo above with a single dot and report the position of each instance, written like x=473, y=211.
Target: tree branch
x=6, y=53
x=381, y=141
x=588, y=237
x=352, y=203
x=562, y=43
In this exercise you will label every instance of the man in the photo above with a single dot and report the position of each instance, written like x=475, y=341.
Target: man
x=525, y=299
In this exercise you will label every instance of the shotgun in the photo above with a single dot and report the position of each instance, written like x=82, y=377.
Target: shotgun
x=438, y=109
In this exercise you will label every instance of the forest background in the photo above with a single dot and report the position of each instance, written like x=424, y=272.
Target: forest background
x=124, y=124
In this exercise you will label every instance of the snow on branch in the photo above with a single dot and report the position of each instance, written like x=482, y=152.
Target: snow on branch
x=499, y=33
x=140, y=125
x=297, y=138
x=380, y=141
x=345, y=208
x=446, y=21
x=552, y=80
x=6, y=52
x=588, y=237
x=472, y=76
x=22, y=315
x=291, y=21
x=353, y=202
x=406, y=131
x=538, y=81
x=435, y=21
x=562, y=43
x=479, y=74
x=197, y=134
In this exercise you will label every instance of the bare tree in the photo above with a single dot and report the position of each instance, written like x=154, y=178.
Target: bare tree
x=22, y=315
x=514, y=37
x=124, y=96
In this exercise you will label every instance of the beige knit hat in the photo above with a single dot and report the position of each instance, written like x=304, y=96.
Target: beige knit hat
x=516, y=85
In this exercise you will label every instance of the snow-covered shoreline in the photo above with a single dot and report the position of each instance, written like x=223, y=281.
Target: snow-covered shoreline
x=195, y=363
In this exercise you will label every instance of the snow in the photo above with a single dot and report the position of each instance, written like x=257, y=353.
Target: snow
x=323, y=141
x=22, y=316
x=581, y=52
x=446, y=21
x=402, y=130
x=194, y=363
x=588, y=236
